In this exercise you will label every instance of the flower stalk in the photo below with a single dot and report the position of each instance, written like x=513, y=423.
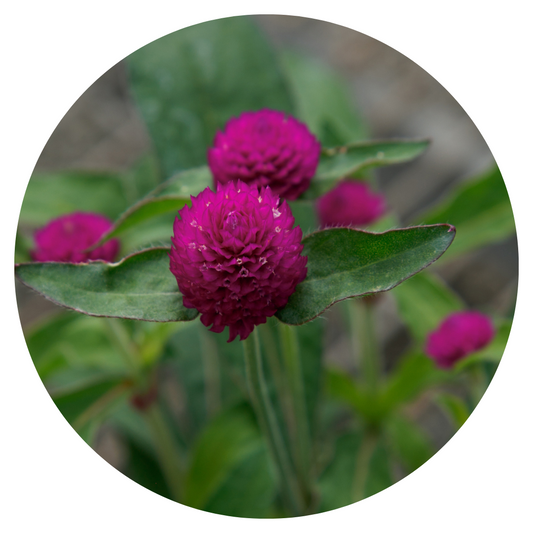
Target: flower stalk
x=302, y=442
x=269, y=424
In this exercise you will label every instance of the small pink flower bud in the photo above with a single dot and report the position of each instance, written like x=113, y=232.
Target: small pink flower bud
x=350, y=203
x=266, y=148
x=236, y=256
x=459, y=335
x=66, y=238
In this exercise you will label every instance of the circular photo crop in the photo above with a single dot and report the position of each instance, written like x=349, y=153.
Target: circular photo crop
x=266, y=266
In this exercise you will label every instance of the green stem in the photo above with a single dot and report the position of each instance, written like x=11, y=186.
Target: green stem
x=170, y=460
x=363, y=333
x=362, y=466
x=123, y=345
x=293, y=369
x=266, y=415
x=280, y=382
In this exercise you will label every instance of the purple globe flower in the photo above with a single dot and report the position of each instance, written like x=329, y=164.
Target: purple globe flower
x=350, y=203
x=266, y=148
x=236, y=256
x=66, y=238
x=459, y=335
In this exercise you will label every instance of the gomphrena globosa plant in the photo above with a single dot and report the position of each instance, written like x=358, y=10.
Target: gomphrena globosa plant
x=255, y=209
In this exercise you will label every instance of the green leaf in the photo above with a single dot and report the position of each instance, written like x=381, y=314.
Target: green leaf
x=90, y=400
x=51, y=195
x=424, y=301
x=322, y=101
x=372, y=472
x=479, y=209
x=189, y=83
x=341, y=386
x=415, y=373
x=229, y=468
x=72, y=341
x=345, y=161
x=408, y=442
x=455, y=408
x=139, y=287
x=168, y=197
x=345, y=262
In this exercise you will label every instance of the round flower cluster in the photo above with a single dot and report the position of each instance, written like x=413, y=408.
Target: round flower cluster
x=459, y=335
x=236, y=256
x=350, y=203
x=266, y=148
x=66, y=238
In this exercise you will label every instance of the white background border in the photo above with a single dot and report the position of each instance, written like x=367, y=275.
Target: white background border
x=53, y=51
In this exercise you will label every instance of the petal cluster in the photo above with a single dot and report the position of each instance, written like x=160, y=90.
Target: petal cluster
x=66, y=238
x=236, y=256
x=350, y=203
x=266, y=148
x=459, y=335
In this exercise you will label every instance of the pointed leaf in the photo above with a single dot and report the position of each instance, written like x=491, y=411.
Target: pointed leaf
x=408, y=442
x=454, y=407
x=479, y=209
x=345, y=161
x=168, y=197
x=221, y=455
x=359, y=469
x=189, y=83
x=139, y=287
x=345, y=262
x=415, y=373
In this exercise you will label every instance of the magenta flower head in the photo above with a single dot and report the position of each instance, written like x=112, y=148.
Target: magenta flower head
x=350, y=203
x=66, y=238
x=459, y=335
x=265, y=148
x=236, y=256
